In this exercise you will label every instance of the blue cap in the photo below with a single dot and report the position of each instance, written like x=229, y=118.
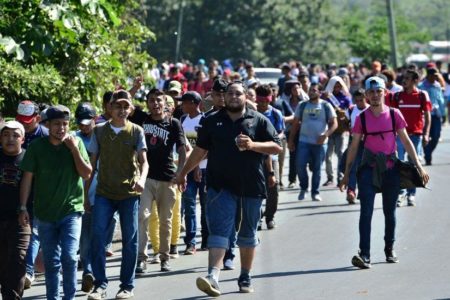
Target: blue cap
x=375, y=83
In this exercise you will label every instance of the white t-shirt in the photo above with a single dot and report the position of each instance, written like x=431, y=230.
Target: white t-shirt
x=355, y=112
x=117, y=129
x=190, y=127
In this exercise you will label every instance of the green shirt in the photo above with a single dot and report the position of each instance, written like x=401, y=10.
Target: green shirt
x=58, y=189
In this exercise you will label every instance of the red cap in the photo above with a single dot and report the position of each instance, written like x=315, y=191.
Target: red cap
x=26, y=111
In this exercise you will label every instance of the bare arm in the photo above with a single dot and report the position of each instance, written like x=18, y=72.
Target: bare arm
x=271, y=179
x=294, y=129
x=426, y=128
x=289, y=120
x=143, y=168
x=25, y=190
x=181, y=157
x=194, y=159
x=332, y=125
x=83, y=167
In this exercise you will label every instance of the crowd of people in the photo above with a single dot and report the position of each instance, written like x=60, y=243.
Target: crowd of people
x=215, y=134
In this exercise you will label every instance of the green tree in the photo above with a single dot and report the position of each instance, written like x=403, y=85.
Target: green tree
x=85, y=46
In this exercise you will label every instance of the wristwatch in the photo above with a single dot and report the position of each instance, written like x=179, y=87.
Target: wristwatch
x=271, y=173
x=21, y=208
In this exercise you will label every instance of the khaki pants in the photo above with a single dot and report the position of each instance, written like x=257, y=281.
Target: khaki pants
x=153, y=226
x=163, y=194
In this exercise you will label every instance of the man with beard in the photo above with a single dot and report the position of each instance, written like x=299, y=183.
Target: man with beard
x=243, y=136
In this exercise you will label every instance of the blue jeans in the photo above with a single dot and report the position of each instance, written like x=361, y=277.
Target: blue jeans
x=60, y=241
x=416, y=140
x=390, y=189
x=33, y=248
x=102, y=214
x=435, y=135
x=224, y=210
x=85, y=243
x=188, y=205
x=314, y=155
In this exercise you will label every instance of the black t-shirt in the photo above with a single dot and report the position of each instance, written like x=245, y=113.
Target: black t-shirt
x=240, y=172
x=138, y=116
x=10, y=178
x=161, y=136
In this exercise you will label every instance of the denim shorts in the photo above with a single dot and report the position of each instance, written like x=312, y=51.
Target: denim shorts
x=225, y=210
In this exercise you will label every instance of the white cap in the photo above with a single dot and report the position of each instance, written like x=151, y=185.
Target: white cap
x=13, y=125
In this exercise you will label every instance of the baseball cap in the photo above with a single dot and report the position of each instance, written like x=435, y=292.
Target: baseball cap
x=121, y=95
x=175, y=86
x=13, y=125
x=58, y=112
x=85, y=113
x=26, y=111
x=432, y=71
x=170, y=101
x=192, y=96
x=374, y=83
x=220, y=85
x=251, y=82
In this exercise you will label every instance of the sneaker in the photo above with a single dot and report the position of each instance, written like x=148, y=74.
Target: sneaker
x=351, y=196
x=316, y=197
x=271, y=225
x=301, y=196
x=87, y=283
x=411, y=199
x=173, y=252
x=391, y=257
x=208, y=285
x=361, y=261
x=28, y=281
x=124, y=294
x=190, y=250
x=97, y=294
x=328, y=182
x=228, y=264
x=400, y=200
x=281, y=185
x=109, y=253
x=245, y=284
x=141, y=267
x=155, y=259
x=291, y=185
x=165, y=267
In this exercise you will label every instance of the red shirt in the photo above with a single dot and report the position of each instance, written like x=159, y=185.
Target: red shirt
x=412, y=108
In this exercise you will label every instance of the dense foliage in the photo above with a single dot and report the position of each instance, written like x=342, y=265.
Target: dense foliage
x=68, y=51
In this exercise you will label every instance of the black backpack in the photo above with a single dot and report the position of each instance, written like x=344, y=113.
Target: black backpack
x=364, y=127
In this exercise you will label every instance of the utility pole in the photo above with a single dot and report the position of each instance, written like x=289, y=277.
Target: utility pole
x=392, y=33
x=179, y=31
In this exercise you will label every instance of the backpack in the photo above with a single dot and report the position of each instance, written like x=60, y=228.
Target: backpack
x=422, y=97
x=302, y=106
x=364, y=127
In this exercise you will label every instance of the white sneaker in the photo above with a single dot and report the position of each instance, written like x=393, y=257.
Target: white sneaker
x=155, y=259
x=316, y=197
x=124, y=294
x=411, y=200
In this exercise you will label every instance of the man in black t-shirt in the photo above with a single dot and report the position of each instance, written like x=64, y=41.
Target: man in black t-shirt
x=161, y=134
x=14, y=238
x=235, y=139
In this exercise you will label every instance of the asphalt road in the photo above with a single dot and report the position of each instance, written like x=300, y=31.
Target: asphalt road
x=308, y=255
